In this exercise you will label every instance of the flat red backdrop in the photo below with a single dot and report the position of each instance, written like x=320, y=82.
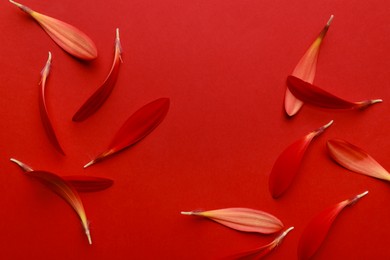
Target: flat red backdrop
x=223, y=64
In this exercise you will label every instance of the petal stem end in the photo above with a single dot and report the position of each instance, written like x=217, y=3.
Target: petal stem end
x=330, y=20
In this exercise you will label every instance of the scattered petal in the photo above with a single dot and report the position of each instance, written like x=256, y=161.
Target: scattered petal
x=287, y=164
x=80, y=182
x=262, y=251
x=43, y=109
x=137, y=126
x=65, y=190
x=84, y=183
x=97, y=99
x=316, y=96
x=305, y=70
x=68, y=37
x=242, y=219
x=316, y=231
x=355, y=159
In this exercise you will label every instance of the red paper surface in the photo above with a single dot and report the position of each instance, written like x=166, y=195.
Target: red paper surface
x=223, y=64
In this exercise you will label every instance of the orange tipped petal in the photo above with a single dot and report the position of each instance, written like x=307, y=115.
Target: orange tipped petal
x=316, y=96
x=43, y=109
x=137, y=126
x=316, y=231
x=242, y=219
x=68, y=37
x=80, y=182
x=263, y=251
x=97, y=99
x=305, y=70
x=287, y=164
x=65, y=190
x=355, y=159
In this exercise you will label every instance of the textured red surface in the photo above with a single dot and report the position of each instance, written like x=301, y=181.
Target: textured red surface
x=223, y=64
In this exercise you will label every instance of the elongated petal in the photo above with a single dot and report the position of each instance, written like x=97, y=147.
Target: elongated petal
x=84, y=183
x=242, y=219
x=62, y=188
x=97, y=99
x=139, y=125
x=355, y=159
x=68, y=37
x=43, y=109
x=287, y=164
x=261, y=252
x=316, y=231
x=80, y=182
x=316, y=96
x=305, y=70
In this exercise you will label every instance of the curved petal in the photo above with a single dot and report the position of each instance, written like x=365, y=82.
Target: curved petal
x=43, y=109
x=97, y=99
x=261, y=252
x=62, y=188
x=287, y=164
x=317, y=229
x=316, y=96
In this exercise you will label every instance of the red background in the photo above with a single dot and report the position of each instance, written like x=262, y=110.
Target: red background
x=223, y=64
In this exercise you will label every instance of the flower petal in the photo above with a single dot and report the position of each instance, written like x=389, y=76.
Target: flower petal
x=97, y=99
x=81, y=183
x=305, y=70
x=355, y=159
x=261, y=252
x=316, y=231
x=43, y=109
x=62, y=188
x=137, y=126
x=287, y=164
x=68, y=37
x=242, y=219
x=84, y=183
x=316, y=96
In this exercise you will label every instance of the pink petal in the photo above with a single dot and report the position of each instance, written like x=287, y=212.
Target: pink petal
x=242, y=219
x=305, y=70
x=356, y=159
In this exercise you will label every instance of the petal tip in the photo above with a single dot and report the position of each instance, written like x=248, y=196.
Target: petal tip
x=89, y=164
x=330, y=20
x=88, y=236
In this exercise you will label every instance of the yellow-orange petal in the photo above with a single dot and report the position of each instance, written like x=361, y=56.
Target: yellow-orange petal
x=68, y=37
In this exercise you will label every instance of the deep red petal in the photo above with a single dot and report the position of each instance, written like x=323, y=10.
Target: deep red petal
x=137, y=126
